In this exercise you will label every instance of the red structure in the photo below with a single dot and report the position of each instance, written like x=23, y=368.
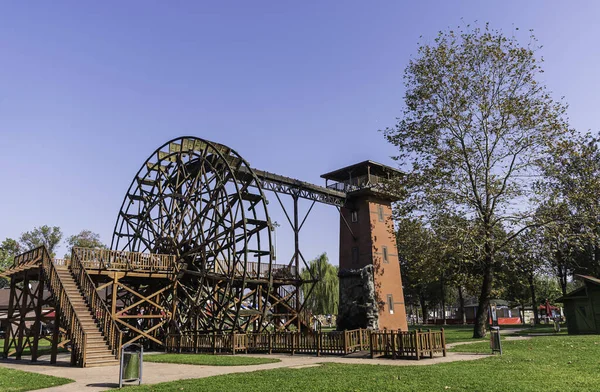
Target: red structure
x=367, y=239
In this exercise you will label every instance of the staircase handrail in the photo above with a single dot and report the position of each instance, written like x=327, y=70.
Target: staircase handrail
x=110, y=329
x=29, y=256
x=65, y=309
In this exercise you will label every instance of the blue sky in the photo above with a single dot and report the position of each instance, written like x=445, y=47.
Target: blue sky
x=89, y=89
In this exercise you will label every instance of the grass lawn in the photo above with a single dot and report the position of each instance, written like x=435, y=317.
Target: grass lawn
x=554, y=363
x=542, y=329
x=453, y=333
x=208, y=359
x=44, y=348
x=12, y=380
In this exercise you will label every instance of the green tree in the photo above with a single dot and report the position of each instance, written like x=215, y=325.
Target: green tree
x=548, y=289
x=525, y=259
x=9, y=248
x=43, y=235
x=570, y=185
x=323, y=295
x=418, y=254
x=475, y=124
x=85, y=239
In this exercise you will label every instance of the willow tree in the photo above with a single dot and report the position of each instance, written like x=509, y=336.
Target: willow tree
x=323, y=296
x=476, y=122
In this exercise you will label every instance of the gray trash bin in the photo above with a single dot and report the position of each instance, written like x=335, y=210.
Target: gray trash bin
x=132, y=359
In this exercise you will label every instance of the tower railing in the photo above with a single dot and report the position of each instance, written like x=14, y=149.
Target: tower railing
x=356, y=183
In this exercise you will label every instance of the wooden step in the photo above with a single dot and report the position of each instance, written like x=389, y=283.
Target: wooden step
x=95, y=338
x=98, y=350
x=97, y=354
x=95, y=360
x=97, y=345
x=95, y=363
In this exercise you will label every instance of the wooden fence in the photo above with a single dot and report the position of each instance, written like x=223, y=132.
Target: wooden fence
x=395, y=344
x=407, y=344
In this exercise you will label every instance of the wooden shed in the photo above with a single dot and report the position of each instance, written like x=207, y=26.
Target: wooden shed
x=582, y=307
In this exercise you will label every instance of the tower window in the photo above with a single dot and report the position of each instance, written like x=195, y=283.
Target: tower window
x=385, y=255
x=355, y=255
x=390, y=301
x=354, y=216
x=380, y=213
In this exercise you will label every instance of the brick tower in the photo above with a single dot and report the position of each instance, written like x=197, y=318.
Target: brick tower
x=370, y=283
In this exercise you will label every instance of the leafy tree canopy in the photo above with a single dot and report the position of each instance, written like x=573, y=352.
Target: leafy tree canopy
x=476, y=124
x=43, y=235
x=9, y=248
x=85, y=239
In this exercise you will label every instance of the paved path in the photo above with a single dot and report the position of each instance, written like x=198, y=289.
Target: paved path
x=102, y=378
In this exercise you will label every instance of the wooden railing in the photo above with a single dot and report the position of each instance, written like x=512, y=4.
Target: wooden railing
x=101, y=313
x=64, y=307
x=199, y=342
x=106, y=259
x=403, y=344
x=239, y=342
x=356, y=340
x=356, y=183
x=336, y=342
x=394, y=344
x=30, y=256
x=61, y=262
x=256, y=270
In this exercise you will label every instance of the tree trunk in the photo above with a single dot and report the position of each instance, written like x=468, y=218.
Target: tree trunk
x=461, y=304
x=522, y=313
x=534, y=303
x=561, y=272
x=423, y=308
x=484, y=299
x=562, y=278
x=443, y=288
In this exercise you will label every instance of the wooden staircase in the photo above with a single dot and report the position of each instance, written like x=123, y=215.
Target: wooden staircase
x=97, y=350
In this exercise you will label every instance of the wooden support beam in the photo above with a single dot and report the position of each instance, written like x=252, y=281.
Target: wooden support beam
x=55, y=334
x=9, y=316
x=22, y=315
x=37, y=325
